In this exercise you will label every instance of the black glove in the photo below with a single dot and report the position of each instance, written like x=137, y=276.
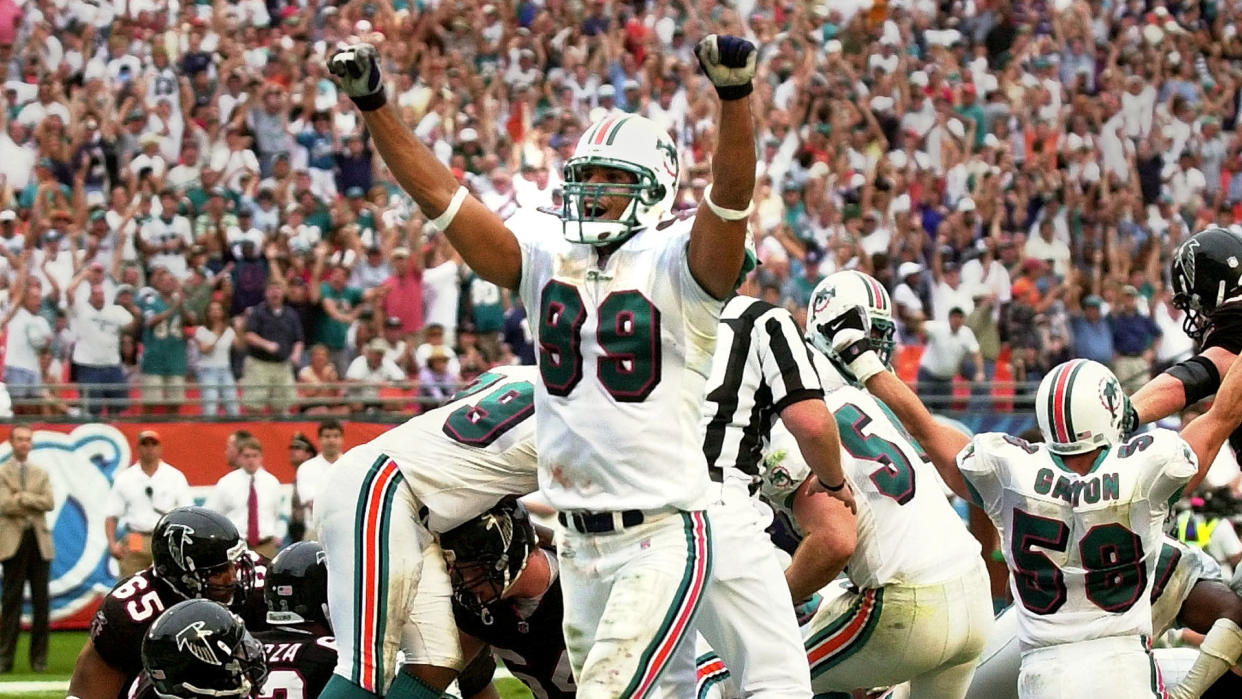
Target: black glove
x=729, y=61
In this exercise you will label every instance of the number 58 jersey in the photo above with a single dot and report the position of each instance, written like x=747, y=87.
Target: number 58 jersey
x=908, y=533
x=1081, y=549
x=625, y=344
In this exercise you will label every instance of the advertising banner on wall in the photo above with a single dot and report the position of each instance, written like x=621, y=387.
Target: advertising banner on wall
x=82, y=460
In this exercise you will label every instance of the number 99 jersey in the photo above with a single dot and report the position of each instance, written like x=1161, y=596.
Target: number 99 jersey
x=1081, y=549
x=625, y=346
x=908, y=533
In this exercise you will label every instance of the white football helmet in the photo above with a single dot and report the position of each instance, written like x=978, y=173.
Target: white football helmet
x=1080, y=406
x=626, y=142
x=841, y=291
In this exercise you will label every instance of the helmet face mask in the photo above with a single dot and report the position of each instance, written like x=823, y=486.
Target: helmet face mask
x=198, y=649
x=200, y=554
x=839, y=292
x=1080, y=407
x=1206, y=272
x=486, y=555
x=631, y=144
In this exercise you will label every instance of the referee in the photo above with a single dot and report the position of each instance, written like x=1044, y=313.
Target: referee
x=761, y=370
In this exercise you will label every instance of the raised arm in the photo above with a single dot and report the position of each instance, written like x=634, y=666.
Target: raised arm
x=478, y=234
x=718, y=237
x=1206, y=433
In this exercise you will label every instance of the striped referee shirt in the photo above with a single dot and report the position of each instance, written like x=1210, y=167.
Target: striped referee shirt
x=761, y=365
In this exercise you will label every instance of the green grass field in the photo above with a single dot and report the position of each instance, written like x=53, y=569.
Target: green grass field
x=63, y=650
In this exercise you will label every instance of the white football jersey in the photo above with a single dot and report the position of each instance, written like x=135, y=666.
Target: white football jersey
x=1082, y=549
x=624, y=351
x=463, y=457
x=908, y=532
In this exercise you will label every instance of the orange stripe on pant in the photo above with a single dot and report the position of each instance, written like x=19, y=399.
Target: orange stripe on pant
x=372, y=540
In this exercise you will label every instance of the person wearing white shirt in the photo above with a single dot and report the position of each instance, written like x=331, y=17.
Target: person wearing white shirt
x=312, y=473
x=1046, y=246
x=98, y=326
x=371, y=369
x=948, y=345
x=28, y=332
x=950, y=292
x=251, y=498
x=215, y=338
x=989, y=273
x=140, y=496
x=165, y=238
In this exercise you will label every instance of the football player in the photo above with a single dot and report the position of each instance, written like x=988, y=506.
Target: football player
x=196, y=553
x=625, y=304
x=1185, y=587
x=506, y=594
x=388, y=587
x=197, y=649
x=299, y=647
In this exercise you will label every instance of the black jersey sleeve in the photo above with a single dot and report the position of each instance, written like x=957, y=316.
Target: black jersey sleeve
x=127, y=612
x=298, y=665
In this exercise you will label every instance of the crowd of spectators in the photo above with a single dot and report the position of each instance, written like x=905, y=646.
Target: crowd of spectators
x=1016, y=173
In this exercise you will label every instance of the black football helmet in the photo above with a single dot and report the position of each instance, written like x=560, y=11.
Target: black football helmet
x=487, y=554
x=197, y=648
x=1206, y=271
x=192, y=544
x=296, y=587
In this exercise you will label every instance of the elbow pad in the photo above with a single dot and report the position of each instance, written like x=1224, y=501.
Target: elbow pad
x=1199, y=378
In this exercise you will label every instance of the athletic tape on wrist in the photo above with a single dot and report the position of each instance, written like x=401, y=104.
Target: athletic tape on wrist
x=445, y=219
x=723, y=213
x=371, y=102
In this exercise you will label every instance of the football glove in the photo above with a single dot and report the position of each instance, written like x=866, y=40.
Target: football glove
x=357, y=68
x=729, y=62
x=850, y=335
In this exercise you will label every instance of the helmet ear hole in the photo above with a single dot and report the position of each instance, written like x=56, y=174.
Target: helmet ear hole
x=654, y=195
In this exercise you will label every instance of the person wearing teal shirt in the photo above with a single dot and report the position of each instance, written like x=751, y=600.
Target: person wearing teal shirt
x=163, y=343
x=970, y=109
x=339, y=305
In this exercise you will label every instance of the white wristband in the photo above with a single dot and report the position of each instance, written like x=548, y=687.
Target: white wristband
x=726, y=214
x=865, y=366
x=445, y=219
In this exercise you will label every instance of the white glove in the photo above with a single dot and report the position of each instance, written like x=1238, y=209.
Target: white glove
x=729, y=62
x=850, y=335
x=357, y=68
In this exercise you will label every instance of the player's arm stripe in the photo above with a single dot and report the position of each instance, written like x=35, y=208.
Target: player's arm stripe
x=709, y=670
x=681, y=612
x=845, y=634
x=371, y=573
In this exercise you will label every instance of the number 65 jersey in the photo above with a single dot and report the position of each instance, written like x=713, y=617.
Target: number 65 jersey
x=1081, y=549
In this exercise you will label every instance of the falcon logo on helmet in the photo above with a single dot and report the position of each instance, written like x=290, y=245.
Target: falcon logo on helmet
x=632, y=144
x=487, y=554
x=197, y=641
x=178, y=537
x=1080, y=407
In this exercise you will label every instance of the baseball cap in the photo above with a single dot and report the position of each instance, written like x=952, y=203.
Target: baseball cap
x=468, y=134
x=377, y=345
x=908, y=268
x=8, y=215
x=1129, y=290
x=1093, y=301
x=392, y=322
x=355, y=192
x=401, y=252
x=606, y=90
x=299, y=441
x=124, y=289
x=148, y=434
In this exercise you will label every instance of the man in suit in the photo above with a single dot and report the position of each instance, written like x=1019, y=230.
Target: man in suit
x=25, y=548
